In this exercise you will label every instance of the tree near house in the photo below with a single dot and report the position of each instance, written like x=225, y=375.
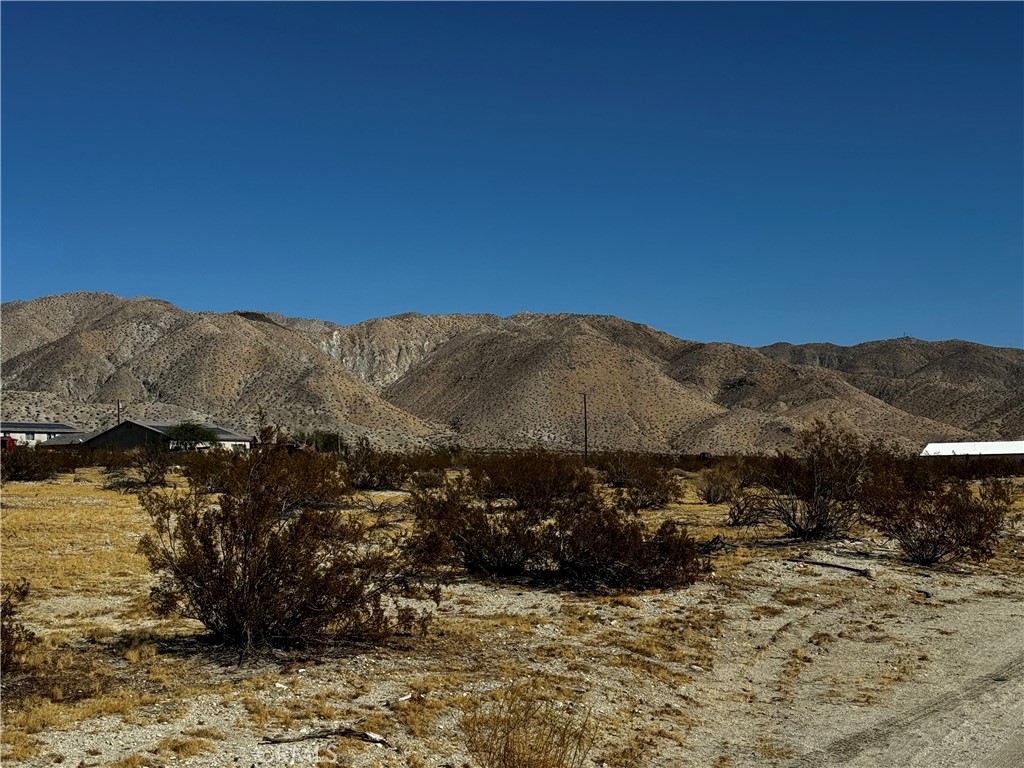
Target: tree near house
x=188, y=435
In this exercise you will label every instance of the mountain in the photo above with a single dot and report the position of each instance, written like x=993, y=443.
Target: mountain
x=971, y=386
x=228, y=367
x=489, y=381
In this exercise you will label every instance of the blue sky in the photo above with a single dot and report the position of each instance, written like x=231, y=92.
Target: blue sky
x=723, y=171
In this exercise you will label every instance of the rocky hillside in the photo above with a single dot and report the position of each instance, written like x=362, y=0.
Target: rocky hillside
x=484, y=380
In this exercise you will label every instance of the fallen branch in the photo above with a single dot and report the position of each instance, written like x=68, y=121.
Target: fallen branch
x=329, y=733
x=865, y=572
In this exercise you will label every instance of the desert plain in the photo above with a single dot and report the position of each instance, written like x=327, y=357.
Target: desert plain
x=786, y=654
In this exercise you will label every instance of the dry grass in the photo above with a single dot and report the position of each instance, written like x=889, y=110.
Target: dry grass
x=64, y=535
x=183, y=747
x=759, y=629
x=521, y=727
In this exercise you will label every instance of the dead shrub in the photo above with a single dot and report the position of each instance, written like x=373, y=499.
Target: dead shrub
x=938, y=521
x=273, y=561
x=522, y=728
x=746, y=508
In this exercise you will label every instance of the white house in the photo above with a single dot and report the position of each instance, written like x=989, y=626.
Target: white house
x=996, y=448
x=33, y=432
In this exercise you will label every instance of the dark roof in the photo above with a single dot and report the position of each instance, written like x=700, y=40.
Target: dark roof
x=36, y=426
x=73, y=438
x=224, y=435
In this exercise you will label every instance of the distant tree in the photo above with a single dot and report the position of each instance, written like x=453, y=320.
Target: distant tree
x=188, y=435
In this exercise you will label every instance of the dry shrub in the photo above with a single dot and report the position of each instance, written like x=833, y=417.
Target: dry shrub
x=718, y=484
x=206, y=470
x=29, y=464
x=746, y=508
x=643, y=481
x=15, y=637
x=372, y=470
x=597, y=545
x=524, y=729
x=937, y=520
x=148, y=468
x=536, y=480
x=455, y=527
x=586, y=541
x=815, y=494
x=274, y=561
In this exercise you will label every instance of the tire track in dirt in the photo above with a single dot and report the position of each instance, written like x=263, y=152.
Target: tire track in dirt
x=845, y=749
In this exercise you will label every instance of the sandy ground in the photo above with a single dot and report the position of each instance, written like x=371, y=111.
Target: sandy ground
x=770, y=661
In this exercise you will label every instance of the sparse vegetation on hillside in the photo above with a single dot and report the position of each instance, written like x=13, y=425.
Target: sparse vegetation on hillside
x=399, y=379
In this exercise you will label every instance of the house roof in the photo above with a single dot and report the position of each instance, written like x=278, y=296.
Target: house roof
x=993, y=448
x=36, y=426
x=72, y=438
x=223, y=435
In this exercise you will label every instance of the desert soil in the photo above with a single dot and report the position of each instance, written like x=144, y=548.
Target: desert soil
x=772, y=660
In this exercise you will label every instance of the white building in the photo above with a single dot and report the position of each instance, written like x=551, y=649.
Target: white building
x=996, y=448
x=33, y=432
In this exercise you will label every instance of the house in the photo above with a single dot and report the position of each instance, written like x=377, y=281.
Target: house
x=995, y=448
x=70, y=440
x=33, y=432
x=136, y=434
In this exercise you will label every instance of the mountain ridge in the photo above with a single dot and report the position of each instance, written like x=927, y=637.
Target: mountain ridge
x=497, y=382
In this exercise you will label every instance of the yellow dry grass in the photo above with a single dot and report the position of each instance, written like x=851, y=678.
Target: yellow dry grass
x=77, y=544
x=71, y=534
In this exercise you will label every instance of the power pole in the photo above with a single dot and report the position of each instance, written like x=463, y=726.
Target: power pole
x=118, y=411
x=586, y=434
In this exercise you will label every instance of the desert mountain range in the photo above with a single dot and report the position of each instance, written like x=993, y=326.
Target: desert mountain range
x=489, y=381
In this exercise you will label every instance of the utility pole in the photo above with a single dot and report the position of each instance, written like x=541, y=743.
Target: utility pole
x=118, y=411
x=586, y=434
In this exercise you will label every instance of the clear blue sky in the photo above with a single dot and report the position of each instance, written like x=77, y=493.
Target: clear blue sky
x=722, y=171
